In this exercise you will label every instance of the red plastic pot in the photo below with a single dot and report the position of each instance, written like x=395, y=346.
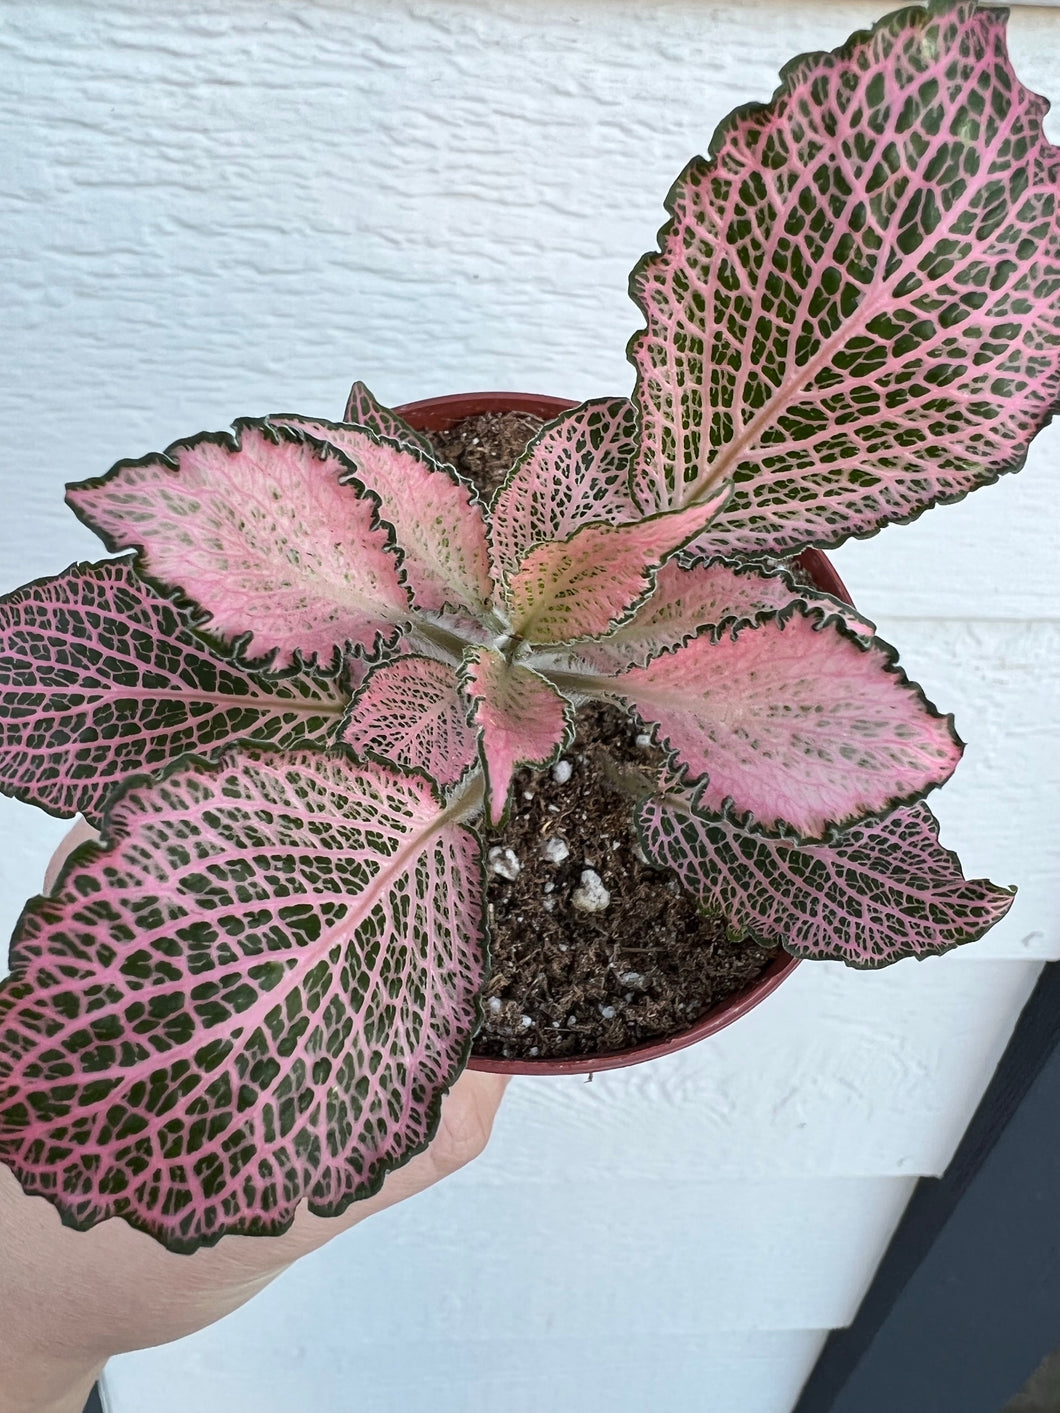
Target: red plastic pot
x=437, y=414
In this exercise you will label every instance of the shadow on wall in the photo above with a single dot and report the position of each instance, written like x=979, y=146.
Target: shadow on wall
x=1041, y=1392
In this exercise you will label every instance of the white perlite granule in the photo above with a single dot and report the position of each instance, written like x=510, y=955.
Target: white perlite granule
x=505, y=862
x=555, y=850
x=590, y=895
x=643, y=741
x=562, y=771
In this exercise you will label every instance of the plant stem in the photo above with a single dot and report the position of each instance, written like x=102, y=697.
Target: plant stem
x=451, y=643
x=466, y=802
x=588, y=682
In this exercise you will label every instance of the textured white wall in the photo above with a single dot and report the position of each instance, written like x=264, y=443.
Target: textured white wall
x=224, y=208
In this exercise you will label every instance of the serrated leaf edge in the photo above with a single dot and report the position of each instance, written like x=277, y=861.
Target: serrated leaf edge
x=111, y=833
x=740, y=935
x=419, y=454
x=561, y=745
x=370, y=754
x=650, y=571
x=695, y=785
x=340, y=676
x=199, y=618
x=859, y=37
x=408, y=434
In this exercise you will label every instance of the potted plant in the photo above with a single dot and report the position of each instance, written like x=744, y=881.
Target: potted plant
x=299, y=709
x=577, y=1028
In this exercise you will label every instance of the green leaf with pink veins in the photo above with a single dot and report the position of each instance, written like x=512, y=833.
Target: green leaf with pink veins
x=101, y=678
x=793, y=722
x=267, y=533
x=880, y=891
x=853, y=312
x=573, y=472
x=706, y=598
x=436, y=515
x=585, y=585
x=256, y=993
x=363, y=409
x=521, y=720
x=253, y=996
x=411, y=711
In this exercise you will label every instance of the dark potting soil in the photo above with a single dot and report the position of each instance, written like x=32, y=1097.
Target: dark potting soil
x=592, y=949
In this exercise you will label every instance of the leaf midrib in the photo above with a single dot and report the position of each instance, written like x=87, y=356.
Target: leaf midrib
x=876, y=297
x=282, y=705
x=254, y=1018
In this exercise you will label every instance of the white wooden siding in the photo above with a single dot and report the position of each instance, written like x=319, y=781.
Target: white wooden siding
x=232, y=206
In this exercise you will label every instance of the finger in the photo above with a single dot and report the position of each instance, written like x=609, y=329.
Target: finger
x=468, y=1111
x=484, y=1090
x=81, y=832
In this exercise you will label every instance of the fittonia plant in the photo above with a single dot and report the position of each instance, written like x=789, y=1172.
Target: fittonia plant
x=328, y=656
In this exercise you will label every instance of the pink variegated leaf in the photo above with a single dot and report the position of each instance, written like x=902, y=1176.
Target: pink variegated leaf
x=521, y=720
x=582, y=587
x=853, y=314
x=437, y=516
x=880, y=891
x=411, y=711
x=795, y=723
x=266, y=532
x=254, y=996
x=101, y=677
x=576, y=470
x=365, y=410
x=712, y=598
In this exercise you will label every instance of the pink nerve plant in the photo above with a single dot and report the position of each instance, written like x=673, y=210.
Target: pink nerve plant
x=327, y=657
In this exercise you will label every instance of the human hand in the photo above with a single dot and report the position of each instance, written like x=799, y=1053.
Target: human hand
x=69, y=1300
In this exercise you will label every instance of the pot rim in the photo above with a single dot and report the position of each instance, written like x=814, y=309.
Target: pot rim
x=434, y=414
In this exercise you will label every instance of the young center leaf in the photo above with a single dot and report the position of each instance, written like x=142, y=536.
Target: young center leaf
x=581, y=587
x=267, y=532
x=710, y=598
x=521, y=720
x=436, y=515
x=101, y=677
x=412, y=712
x=881, y=891
x=794, y=722
x=575, y=470
x=255, y=996
x=365, y=410
x=853, y=313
